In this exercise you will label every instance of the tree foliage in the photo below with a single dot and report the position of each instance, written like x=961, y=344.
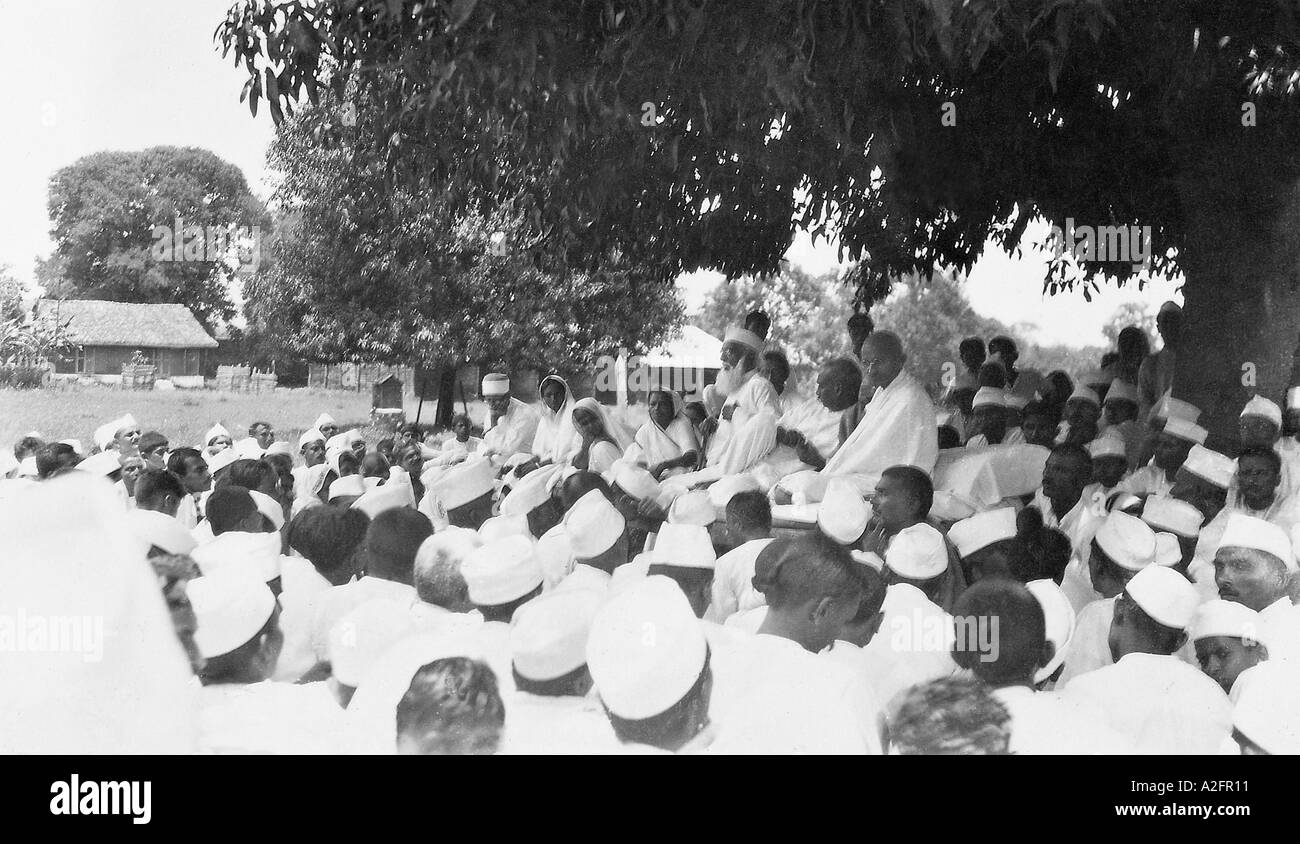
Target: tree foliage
x=104, y=209
x=1127, y=314
x=370, y=270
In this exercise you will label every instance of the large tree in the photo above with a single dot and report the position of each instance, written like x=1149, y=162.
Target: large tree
x=702, y=133
x=371, y=270
x=164, y=224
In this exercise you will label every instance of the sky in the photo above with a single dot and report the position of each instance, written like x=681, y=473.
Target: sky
x=91, y=75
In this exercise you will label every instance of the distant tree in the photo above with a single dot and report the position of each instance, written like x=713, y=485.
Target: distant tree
x=165, y=224
x=1130, y=313
x=11, y=296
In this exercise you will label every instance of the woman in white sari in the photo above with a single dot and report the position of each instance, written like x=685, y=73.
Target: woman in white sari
x=667, y=443
x=556, y=439
x=603, y=437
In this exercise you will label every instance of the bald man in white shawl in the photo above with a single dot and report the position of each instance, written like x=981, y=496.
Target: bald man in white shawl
x=510, y=426
x=897, y=427
x=808, y=434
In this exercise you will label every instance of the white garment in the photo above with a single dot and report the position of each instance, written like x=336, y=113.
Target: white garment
x=897, y=427
x=1159, y=703
x=556, y=439
x=771, y=696
x=256, y=554
x=750, y=433
x=733, y=587
x=539, y=725
x=1283, y=512
x=658, y=445
x=269, y=718
x=1147, y=480
x=820, y=427
x=300, y=583
x=510, y=434
x=1049, y=724
x=912, y=646
x=335, y=602
x=454, y=451
x=1090, y=644
x=190, y=511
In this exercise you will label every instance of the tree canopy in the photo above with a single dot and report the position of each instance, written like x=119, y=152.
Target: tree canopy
x=369, y=270
x=112, y=214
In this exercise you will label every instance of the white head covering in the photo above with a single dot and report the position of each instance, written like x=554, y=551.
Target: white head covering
x=220, y=460
x=1225, y=618
x=982, y=530
x=118, y=682
x=646, y=649
x=1244, y=531
x=548, y=635
x=280, y=447
x=104, y=463
x=634, y=480
x=1184, y=430
x=556, y=438
x=269, y=507
x=743, y=336
x=917, y=553
x=1171, y=514
x=161, y=530
x=248, y=449
x=989, y=397
x=496, y=384
x=217, y=430
x=688, y=546
x=1260, y=406
x=1268, y=711
x=347, y=485
x=722, y=491
x=843, y=513
x=1058, y=613
x=1165, y=595
x=1168, y=551
x=593, y=525
x=465, y=482
x=500, y=527
x=620, y=435
x=230, y=608
x=1107, y=445
x=1127, y=540
x=502, y=571
x=360, y=637
x=530, y=492
x=324, y=420
x=387, y=497
x=1171, y=408
x=1211, y=466
x=310, y=435
x=693, y=508
x=1086, y=394
x=76, y=445
x=1293, y=398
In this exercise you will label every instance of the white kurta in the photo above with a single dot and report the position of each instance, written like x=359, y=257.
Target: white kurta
x=897, y=428
x=551, y=726
x=269, y=718
x=1159, y=703
x=913, y=644
x=750, y=434
x=770, y=695
x=1049, y=724
x=733, y=587
x=512, y=433
x=1090, y=644
x=337, y=601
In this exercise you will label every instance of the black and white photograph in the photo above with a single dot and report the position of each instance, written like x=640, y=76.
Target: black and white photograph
x=652, y=377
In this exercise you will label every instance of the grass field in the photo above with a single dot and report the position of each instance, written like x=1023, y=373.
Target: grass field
x=184, y=415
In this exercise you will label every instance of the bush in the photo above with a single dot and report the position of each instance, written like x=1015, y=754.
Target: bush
x=22, y=377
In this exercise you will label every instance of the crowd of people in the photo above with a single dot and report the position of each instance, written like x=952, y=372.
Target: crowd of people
x=1027, y=565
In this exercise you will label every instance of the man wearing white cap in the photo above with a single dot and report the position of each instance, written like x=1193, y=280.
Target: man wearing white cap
x=1109, y=463
x=1256, y=492
x=1150, y=696
x=554, y=709
x=744, y=429
x=1203, y=482
x=510, y=425
x=773, y=693
x=914, y=643
x=1226, y=636
x=1156, y=375
x=1042, y=723
x=1260, y=426
x=1121, y=418
x=1082, y=414
x=241, y=709
x=985, y=543
x=597, y=534
x=1123, y=546
x=654, y=689
x=749, y=526
x=1254, y=566
x=682, y=553
x=897, y=427
x=244, y=538
x=462, y=496
x=311, y=445
x=1066, y=473
x=501, y=577
x=990, y=418
x=1172, y=445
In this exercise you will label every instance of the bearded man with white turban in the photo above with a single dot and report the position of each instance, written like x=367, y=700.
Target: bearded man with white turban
x=746, y=423
x=510, y=426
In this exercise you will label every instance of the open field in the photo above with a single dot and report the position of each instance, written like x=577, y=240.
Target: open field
x=184, y=415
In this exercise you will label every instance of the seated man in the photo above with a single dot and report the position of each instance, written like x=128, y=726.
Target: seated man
x=511, y=425
x=743, y=430
x=1226, y=636
x=808, y=434
x=897, y=427
x=1172, y=446
x=1258, y=494
x=989, y=417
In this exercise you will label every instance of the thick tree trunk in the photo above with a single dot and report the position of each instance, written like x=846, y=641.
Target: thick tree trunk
x=1242, y=290
x=446, y=396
